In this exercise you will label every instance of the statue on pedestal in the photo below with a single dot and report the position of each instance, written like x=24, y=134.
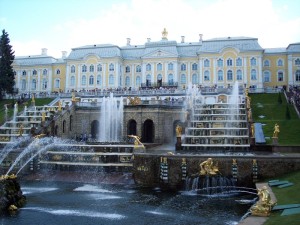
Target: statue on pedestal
x=208, y=168
x=276, y=131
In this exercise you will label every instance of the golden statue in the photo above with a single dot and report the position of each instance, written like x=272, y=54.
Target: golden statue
x=165, y=34
x=59, y=105
x=178, y=131
x=137, y=142
x=32, y=98
x=264, y=205
x=134, y=101
x=248, y=102
x=208, y=168
x=43, y=116
x=252, y=130
x=21, y=130
x=276, y=131
x=73, y=96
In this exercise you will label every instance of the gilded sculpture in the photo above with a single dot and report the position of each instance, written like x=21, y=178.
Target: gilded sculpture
x=209, y=168
x=178, y=131
x=264, y=205
x=276, y=131
x=164, y=34
x=137, y=142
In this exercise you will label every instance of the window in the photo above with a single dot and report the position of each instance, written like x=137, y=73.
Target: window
x=127, y=81
x=267, y=76
x=183, y=79
x=297, y=62
x=57, y=83
x=72, y=69
x=253, y=74
x=148, y=80
x=279, y=62
x=24, y=73
x=92, y=68
x=23, y=85
x=138, y=81
x=99, y=80
x=34, y=72
x=44, y=72
x=220, y=75
x=44, y=84
x=83, y=80
x=195, y=66
x=91, y=80
x=239, y=62
x=229, y=75
x=159, y=67
x=280, y=76
x=220, y=62
x=253, y=61
x=111, y=67
x=267, y=63
x=170, y=79
x=138, y=69
x=170, y=66
x=159, y=77
x=99, y=68
x=111, y=80
x=297, y=78
x=148, y=67
x=206, y=63
x=72, y=80
x=57, y=72
x=206, y=75
x=83, y=68
x=183, y=67
x=33, y=84
x=229, y=62
x=127, y=69
x=194, y=79
x=239, y=75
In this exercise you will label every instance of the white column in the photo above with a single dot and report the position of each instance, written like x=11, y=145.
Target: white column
x=215, y=74
x=67, y=85
x=38, y=85
x=176, y=72
x=50, y=81
x=104, y=72
x=165, y=77
x=259, y=72
x=78, y=78
x=291, y=78
x=245, y=74
x=201, y=80
x=143, y=78
x=28, y=81
x=117, y=75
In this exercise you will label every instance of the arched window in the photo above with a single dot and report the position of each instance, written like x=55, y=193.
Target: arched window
x=148, y=67
x=239, y=62
x=297, y=75
x=159, y=67
x=220, y=75
x=138, y=69
x=220, y=62
x=72, y=83
x=206, y=75
x=33, y=84
x=44, y=84
x=111, y=67
x=183, y=67
x=99, y=80
x=127, y=81
x=111, y=80
x=267, y=76
x=23, y=85
x=72, y=69
x=253, y=74
x=92, y=68
x=229, y=62
x=267, y=63
x=24, y=73
x=280, y=76
x=99, y=68
x=84, y=68
x=148, y=80
x=45, y=72
x=297, y=62
x=239, y=75
x=195, y=66
x=194, y=79
x=206, y=63
x=159, y=77
x=253, y=61
x=34, y=72
x=83, y=80
x=170, y=66
x=280, y=62
x=229, y=75
x=57, y=83
x=170, y=79
x=183, y=79
x=57, y=72
x=127, y=69
x=91, y=80
x=138, y=81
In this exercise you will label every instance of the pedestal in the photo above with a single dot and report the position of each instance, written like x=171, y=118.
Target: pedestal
x=275, y=140
x=178, y=143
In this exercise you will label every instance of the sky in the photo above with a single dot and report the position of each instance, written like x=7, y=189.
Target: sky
x=60, y=25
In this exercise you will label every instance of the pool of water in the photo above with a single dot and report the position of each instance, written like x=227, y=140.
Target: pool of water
x=72, y=203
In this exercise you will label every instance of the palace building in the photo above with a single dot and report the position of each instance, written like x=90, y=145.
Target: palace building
x=217, y=62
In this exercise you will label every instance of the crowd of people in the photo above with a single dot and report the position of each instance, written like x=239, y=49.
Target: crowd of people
x=294, y=96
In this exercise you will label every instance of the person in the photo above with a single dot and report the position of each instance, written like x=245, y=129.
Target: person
x=276, y=131
x=208, y=168
x=178, y=131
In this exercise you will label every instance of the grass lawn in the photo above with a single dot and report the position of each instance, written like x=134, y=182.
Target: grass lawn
x=288, y=195
x=268, y=106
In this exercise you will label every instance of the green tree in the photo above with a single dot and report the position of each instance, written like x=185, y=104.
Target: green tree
x=7, y=78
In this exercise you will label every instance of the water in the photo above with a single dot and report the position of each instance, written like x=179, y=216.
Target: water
x=111, y=119
x=84, y=203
